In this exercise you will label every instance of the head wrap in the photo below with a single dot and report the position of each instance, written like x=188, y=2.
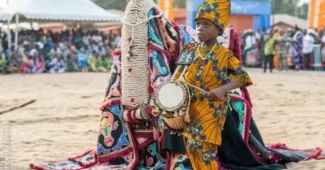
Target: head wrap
x=216, y=11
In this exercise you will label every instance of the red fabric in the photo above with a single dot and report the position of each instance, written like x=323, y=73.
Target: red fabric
x=234, y=46
x=116, y=53
x=108, y=103
x=168, y=160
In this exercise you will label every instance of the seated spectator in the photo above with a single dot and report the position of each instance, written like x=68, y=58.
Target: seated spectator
x=27, y=63
x=82, y=60
x=39, y=66
x=10, y=51
x=13, y=64
x=106, y=63
x=92, y=61
x=57, y=65
x=72, y=65
x=101, y=51
x=56, y=51
x=3, y=64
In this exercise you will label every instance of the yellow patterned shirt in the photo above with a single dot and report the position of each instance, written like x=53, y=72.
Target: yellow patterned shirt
x=218, y=67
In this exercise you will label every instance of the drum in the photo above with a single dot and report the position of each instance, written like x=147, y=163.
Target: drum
x=173, y=100
x=171, y=96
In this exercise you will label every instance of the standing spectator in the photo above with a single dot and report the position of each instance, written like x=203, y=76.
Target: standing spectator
x=308, y=43
x=296, y=45
x=262, y=33
x=282, y=49
x=258, y=35
x=249, y=43
x=323, y=46
x=269, y=50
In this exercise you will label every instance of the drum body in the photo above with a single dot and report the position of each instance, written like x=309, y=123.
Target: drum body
x=172, y=98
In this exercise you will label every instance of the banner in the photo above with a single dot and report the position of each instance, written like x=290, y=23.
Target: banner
x=191, y=8
x=260, y=10
x=251, y=8
x=167, y=6
x=316, y=16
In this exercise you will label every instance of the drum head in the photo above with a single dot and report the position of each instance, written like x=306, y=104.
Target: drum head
x=170, y=96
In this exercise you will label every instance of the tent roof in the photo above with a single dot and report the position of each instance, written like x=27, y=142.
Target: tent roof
x=61, y=10
x=290, y=20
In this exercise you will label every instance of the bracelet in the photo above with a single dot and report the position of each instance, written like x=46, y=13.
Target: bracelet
x=143, y=110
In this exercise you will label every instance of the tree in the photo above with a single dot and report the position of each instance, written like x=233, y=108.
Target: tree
x=112, y=4
x=303, y=11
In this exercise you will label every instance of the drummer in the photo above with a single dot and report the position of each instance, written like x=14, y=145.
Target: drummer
x=218, y=71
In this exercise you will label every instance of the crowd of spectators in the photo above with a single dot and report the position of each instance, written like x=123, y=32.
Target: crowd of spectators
x=59, y=52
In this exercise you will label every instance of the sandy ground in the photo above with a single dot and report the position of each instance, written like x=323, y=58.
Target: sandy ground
x=289, y=107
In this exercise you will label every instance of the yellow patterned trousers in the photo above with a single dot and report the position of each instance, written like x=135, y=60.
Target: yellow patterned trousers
x=202, y=155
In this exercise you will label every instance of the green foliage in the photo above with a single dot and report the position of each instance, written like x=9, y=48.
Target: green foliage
x=111, y=4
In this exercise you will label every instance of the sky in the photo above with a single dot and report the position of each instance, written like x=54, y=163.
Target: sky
x=303, y=1
x=3, y=3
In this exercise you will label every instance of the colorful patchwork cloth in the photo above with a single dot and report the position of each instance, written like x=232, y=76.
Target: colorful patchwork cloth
x=121, y=144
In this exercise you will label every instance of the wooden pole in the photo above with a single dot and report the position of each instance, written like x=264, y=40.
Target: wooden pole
x=17, y=107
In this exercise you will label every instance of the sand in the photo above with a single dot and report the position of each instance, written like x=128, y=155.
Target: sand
x=288, y=108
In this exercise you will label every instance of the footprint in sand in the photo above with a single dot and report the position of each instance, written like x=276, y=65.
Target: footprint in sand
x=86, y=97
x=279, y=85
x=295, y=92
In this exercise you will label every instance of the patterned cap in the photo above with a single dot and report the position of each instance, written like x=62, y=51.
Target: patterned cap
x=216, y=11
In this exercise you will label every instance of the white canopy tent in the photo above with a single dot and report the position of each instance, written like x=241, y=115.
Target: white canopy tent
x=57, y=11
x=61, y=10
